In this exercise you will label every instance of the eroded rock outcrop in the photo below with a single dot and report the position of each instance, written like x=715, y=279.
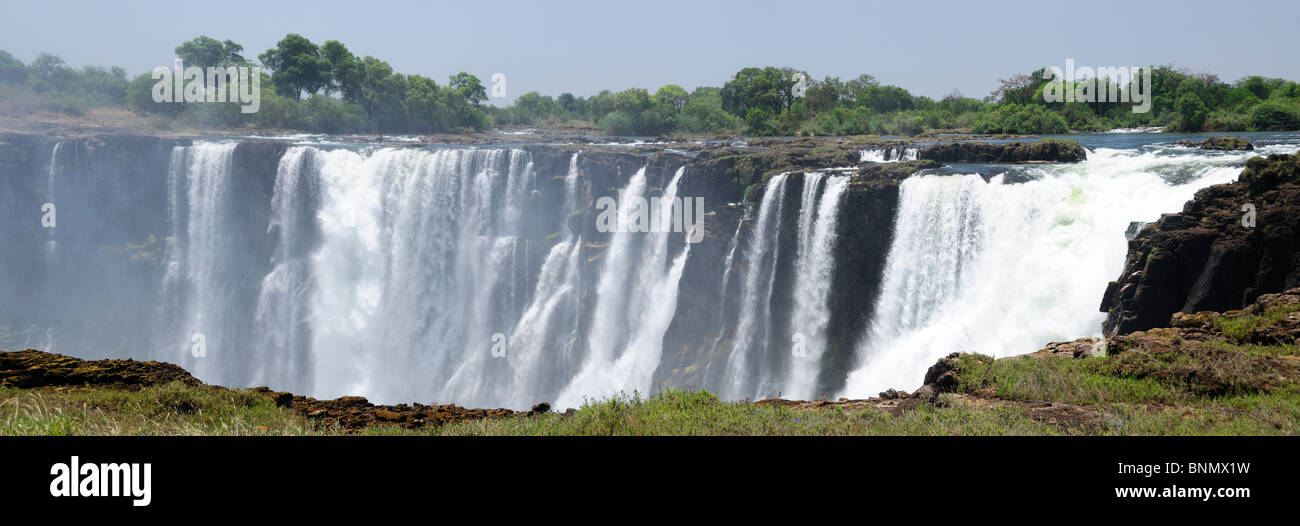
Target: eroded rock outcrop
x=33, y=368
x=1218, y=143
x=1231, y=244
x=1044, y=151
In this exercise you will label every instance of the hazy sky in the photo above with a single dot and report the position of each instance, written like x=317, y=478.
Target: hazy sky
x=930, y=48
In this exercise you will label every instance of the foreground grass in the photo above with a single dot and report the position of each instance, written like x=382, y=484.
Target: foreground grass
x=176, y=409
x=682, y=413
x=171, y=409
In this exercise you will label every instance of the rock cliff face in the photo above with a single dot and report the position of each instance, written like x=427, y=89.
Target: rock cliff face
x=1231, y=244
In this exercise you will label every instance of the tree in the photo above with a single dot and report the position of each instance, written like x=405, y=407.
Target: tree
x=863, y=81
x=768, y=88
x=1191, y=112
x=469, y=88
x=49, y=73
x=884, y=99
x=206, y=52
x=826, y=95
x=424, y=104
x=535, y=107
x=297, y=65
x=345, y=70
x=1020, y=89
x=463, y=98
x=12, y=71
x=672, y=95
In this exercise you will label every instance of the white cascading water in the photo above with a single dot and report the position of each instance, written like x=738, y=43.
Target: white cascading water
x=413, y=271
x=199, y=186
x=762, y=363
x=537, y=349
x=51, y=246
x=280, y=329
x=1004, y=269
x=890, y=154
x=398, y=273
x=633, y=309
x=814, y=269
x=751, y=327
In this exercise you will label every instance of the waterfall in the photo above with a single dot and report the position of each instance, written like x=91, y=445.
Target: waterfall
x=760, y=264
x=280, y=328
x=724, y=321
x=473, y=276
x=1003, y=269
x=632, y=310
x=814, y=269
x=51, y=246
x=761, y=363
x=555, y=306
x=196, y=282
x=889, y=154
x=413, y=271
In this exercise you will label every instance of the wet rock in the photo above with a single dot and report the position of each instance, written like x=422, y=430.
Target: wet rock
x=1044, y=151
x=1209, y=257
x=1219, y=143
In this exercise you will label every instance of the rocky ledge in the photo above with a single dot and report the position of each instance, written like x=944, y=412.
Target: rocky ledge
x=1044, y=151
x=38, y=369
x=1231, y=244
x=1218, y=143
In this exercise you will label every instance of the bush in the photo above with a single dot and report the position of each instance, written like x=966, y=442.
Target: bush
x=1014, y=118
x=1276, y=114
x=618, y=123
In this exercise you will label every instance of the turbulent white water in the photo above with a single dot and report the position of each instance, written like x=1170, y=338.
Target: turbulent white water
x=407, y=274
x=1003, y=269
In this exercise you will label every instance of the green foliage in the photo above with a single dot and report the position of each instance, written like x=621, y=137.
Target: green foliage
x=206, y=51
x=1276, y=114
x=298, y=65
x=365, y=95
x=12, y=71
x=1191, y=112
x=1014, y=118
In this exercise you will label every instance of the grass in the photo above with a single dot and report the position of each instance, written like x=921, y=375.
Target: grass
x=683, y=413
x=170, y=409
x=1082, y=381
x=1237, y=328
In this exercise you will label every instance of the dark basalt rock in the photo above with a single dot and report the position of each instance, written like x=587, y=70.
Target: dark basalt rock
x=1206, y=258
x=1044, y=151
x=1218, y=143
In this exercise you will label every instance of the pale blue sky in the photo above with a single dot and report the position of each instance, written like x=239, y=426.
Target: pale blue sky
x=582, y=47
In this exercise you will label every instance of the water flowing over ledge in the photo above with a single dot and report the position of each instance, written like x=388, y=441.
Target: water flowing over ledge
x=477, y=275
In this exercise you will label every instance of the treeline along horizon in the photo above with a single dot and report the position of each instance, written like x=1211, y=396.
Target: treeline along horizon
x=327, y=89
